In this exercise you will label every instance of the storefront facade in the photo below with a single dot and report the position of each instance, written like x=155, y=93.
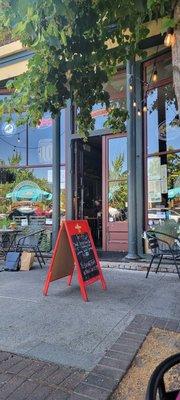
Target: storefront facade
x=95, y=180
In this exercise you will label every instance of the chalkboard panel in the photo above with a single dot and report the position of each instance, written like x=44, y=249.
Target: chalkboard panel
x=85, y=256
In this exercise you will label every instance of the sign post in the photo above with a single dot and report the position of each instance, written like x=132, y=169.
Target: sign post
x=75, y=249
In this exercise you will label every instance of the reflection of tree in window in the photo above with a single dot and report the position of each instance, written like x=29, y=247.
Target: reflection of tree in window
x=154, y=168
x=173, y=161
x=17, y=176
x=116, y=171
x=118, y=189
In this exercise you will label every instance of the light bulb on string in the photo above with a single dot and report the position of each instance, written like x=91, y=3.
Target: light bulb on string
x=14, y=150
x=18, y=139
x=145, y=107
x=155, y=75
x=170, y=38
x=139, y=112
x=134, y=103
x=131, y=83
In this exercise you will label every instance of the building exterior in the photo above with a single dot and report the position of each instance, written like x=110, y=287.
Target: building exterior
x=121, y=183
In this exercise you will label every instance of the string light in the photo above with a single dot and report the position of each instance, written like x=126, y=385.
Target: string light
x=170, y=38
x=139, y=112
x=134, y=103
x=131, y=83
x=18, y=139
x=145, y=107
x=155, y=75
x=14, y=150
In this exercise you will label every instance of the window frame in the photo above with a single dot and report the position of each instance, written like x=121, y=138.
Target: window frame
x=146, y=89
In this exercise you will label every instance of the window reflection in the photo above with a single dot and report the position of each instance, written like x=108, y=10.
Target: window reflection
x=12, y=142
x=118, y=186
x=29, y=192
x=163, y=67
x=117, y=158
x=40, y=141
x=118, y=192
x=164, y=188
x=116, y=87
x=163, y=124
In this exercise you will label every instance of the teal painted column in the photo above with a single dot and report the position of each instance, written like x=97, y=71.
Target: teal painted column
x=139, y=163
x=131, y=152
x=56, y=178
x=69, y=159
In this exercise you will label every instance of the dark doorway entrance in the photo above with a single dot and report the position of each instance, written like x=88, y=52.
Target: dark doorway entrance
x=87, y=191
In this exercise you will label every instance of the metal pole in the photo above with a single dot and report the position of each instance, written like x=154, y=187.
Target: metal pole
x=56, y=179
x=131, y=150
x=69, y=160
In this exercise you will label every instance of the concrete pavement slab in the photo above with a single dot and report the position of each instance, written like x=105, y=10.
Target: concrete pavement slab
x=64, y=329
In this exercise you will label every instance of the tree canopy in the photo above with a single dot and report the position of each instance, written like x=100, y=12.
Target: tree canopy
x=70, y=58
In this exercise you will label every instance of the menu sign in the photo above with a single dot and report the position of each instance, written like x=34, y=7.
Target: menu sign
x=75, y=249
x=85, y=256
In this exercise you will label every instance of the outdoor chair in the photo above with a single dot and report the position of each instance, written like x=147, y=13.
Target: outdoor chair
x=156, y=385
x=2, y=249
x=162, y=244
x=31, y=241
x=37, y=221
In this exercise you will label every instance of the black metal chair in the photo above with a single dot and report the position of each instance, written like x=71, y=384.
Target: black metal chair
x=2, y=250
x=31, y=241
x=37, y=221
x=156, y=385
x=162, y=247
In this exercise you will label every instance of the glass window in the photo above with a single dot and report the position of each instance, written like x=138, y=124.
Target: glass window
x=117, y=158
x=40, y=141
x=118, y=198
x=12, y=141
x=28, y=191
x=118, y=184
x=163, y=128
x=163, y=68
x=117, y=90
x=164, y=188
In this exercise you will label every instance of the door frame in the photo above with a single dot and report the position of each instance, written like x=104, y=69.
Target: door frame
x=105, y=180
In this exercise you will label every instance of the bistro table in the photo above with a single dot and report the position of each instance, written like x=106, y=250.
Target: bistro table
x=8, y=238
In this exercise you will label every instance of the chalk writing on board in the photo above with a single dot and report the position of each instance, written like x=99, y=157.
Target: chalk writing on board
x=85, y=256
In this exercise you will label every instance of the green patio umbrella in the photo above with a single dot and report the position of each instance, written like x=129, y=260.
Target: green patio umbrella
x=30, y=193
x=174, y=193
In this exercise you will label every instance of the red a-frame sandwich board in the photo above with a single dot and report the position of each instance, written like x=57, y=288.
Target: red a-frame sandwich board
x=65, y=257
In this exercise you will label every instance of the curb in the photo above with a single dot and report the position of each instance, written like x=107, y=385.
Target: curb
x=101, y=382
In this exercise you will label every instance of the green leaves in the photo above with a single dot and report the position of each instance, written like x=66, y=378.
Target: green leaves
x=63, y=37
x=167, y=22
x=53, y=41
x=116, y=119
x=71, y=56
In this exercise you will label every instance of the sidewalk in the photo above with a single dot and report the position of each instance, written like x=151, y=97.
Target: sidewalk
x=22, y=378
x=25, y=378
x=61, y=328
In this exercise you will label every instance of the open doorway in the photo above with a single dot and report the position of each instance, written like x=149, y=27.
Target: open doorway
x=88, y=184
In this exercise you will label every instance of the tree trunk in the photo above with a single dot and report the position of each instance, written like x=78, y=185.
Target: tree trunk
x=176, y=55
